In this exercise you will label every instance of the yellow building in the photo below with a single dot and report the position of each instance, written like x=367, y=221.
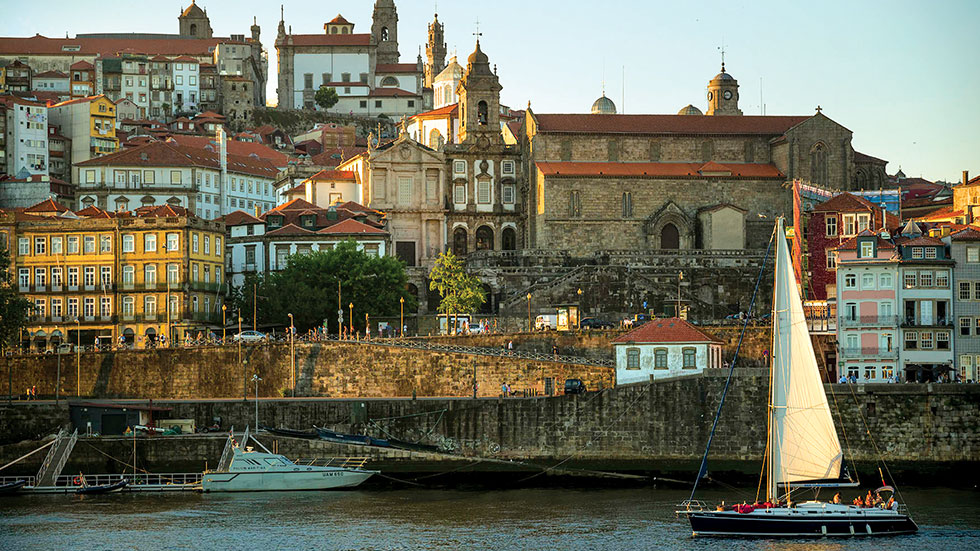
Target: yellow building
x=90, y=123
x=101, y=274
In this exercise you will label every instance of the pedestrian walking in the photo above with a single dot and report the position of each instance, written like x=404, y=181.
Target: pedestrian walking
x=510, y=347
x=554, y=350
x=34, y=392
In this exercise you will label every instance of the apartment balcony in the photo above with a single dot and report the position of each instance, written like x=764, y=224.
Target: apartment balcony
x=209, y=317
x=869, y=321
x=918, y=321
x=206, y=286
x=868, y=353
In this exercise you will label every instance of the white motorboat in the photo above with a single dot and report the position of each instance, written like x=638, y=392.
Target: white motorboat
x=244, y=469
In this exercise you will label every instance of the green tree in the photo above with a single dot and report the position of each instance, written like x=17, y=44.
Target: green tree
x=13, y=307
x=326, y=98
x=307, y=288
x=459, y=291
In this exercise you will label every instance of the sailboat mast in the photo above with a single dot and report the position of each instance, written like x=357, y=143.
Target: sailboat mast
x=771, y=488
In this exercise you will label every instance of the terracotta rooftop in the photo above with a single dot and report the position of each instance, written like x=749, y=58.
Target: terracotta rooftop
x=51, y=74
x=443, y=111
x=851, y=244
x=48, y=205
x=336, y=155
x=666, y=330
x=666, y=124
x=82, y=65
x=390, y=92
x=351, y=227
x=234, y=147
x=339, y=20
x=334, y=175
x=845, y=202
x=396, y=68
x=658, y=170
x=170, y=154
x=971, y=233
x=239, y=217
x=328, y=39
x=42, y=45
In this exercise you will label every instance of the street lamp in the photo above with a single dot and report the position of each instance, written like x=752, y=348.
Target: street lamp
x=367, y=326
x=292, y=358
x=579, y=319
x=78, y=357
x=680, y=276
x=529, y=326
x=351, y=306
x=224, y=323
x=256, y=379
x=401, y=327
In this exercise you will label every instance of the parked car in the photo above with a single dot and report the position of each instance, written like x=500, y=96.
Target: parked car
x=595, y=323
x=250, y=336
x=574, y=386
x=475, y=328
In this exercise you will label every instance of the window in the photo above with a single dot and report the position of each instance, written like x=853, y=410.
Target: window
x=404, y=191
x=73, y=277
x=129, y=275
x=128, y=243
x=57, y=245
x=217, y=275
x=508, y=167
x=40, y=245
x=207, y=244
x=72, y=308
x=911, y=340
x=973, y=255
x=942, y=279
x=105, y=306
x=89, y=311
x=831, y=259
x=149, y=242
x=867, y=249
x=976, y=290
x=73, y=244
x=362, y=104
x=690, y=358
x=175, y=177
x=910, y=280
x=150, y=305
x=632, y=358
x=483, y=192
x=925, y=279
x=24, y=277
x=89, y=280
x=660, y=358
x=195, y=273
x=105, y=276
x=885, y=281
x=931, y=252
x=863, y=221
x=830, y=222
x=173, y=241
x=850, y=311
x=918, y=252
x=867, y=281
x=128, y=306
x=377, y=104
x=574, y=203
x=217, y=246
x=966, y=363
x=849, y=224
x=964, y=290
x=195, y=246
x=24, y=246
x=925, y=340
x=89, y=247
x=459, y=194
x=150, y=274
x=627, y=204
x=459, y=167
x=56, y=307
x=507, y=193
x=942, y=340
x=39, y=307
x=56, y=277
x=850, y=281
x=965, y=324
x=105, y=244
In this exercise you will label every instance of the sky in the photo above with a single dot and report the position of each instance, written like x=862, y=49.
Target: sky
x=901, y=74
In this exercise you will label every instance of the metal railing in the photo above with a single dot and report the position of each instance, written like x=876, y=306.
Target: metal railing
x=340, y=462
x=11, y=479
x=139, y=479
x=869, y=321
x=871, y=352
x=913, y=321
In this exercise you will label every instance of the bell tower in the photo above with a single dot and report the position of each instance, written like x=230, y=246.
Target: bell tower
x=479, y=100
x=723, y=94
x=193, y=22
x=435, y=52
x=384, y=31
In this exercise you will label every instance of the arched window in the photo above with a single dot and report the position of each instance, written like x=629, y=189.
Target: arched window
x=343, y=30
x=484, y=238
x=447, y=92
x=627, y=204
x=389, y=81
x=459, y=241
x=818, y=165
x=508, y=239
x=193, y=29
x=481, y=113
x=333, y=30
x=435, y=138
x=669, y=237
x=384, y=34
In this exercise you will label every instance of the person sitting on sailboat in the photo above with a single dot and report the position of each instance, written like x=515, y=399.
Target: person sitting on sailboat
x=837, y=498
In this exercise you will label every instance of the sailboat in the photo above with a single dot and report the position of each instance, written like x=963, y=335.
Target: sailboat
x=802, y=448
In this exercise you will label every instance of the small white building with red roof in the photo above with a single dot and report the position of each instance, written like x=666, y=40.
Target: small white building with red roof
x=665, y=347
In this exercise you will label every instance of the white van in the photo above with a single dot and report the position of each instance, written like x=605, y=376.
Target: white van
x=546, y=322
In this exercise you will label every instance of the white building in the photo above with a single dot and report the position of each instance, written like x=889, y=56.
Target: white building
x=264, y=244
x=445, y=84
x=26, y=137
x=51, y=81
x=664, y=348
x=166, y=173
x=326, y=188
x=187, y=87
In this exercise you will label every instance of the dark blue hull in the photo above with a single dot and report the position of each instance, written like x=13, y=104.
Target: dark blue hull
x=814, y=524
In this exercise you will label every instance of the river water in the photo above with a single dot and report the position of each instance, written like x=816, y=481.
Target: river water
x=606, y=519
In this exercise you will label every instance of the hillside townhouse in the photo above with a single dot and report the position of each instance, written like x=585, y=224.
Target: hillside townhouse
x=161, y=87
x=52, y=81
x=90, y=124
x=93, y=273
x=965, y=251
x=82, y=79
x=26, y=133
x=187, y=87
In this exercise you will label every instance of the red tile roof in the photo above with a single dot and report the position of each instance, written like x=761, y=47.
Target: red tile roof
x=234, y=147
x=51, y=74
x=161, y=211
x=851, y=244
x=339, y=20
x=657, y=170
x=185, y=59
x=391, y=92
x=971, y=233
x=941, y=214
x=666, y=330
x=169, y=154
x=350, y=227
x=845, y=202
x=918, y=241
x=334, y=175
x=82, y=65
x=239, y=217
x=396, y=68
x=93, y=211
x=327, y=158
x=445, y=110
x=328, y=39
x=42, y=45
x=666, y=124
x=48, y=205
x=289, y=229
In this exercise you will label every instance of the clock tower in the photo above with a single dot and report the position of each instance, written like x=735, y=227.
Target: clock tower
x=479, y=100
x=723, y=94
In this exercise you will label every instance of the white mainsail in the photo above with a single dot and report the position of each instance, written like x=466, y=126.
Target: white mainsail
x=803, y=444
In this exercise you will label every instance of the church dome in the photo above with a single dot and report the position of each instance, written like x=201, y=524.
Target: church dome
x=193, y=11
x=690, y=110
x=603, y=106
x=723, y=76
x=478, y=57
x=453, y=71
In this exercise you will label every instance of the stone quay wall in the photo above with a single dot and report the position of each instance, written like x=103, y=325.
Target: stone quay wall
x=923, y=431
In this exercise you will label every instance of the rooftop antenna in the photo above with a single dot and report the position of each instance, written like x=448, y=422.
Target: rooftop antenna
x=722, y=50
x=762, y=106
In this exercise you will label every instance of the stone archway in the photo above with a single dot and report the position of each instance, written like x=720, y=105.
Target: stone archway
x=669, y=237
x=459, y=241
x=669, y=228
x=484, y=238
x=508, y=239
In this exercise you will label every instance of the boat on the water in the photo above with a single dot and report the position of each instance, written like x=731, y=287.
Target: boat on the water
x=803, y=452
x=245, y=469
x=103, y=488
x=12, y=487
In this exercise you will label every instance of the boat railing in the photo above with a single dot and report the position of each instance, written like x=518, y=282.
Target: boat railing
x=691, y=505
x=11, y=479
x=139, y=479
x=340, y=462
x=903, y=509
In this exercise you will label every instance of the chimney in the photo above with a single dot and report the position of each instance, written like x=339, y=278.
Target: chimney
x=966, y=176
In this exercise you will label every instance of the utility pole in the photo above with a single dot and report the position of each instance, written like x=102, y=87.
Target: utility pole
x=57, y=384
x=78, y=357
x=680, y=276
x=292, y=357
x=255, y=296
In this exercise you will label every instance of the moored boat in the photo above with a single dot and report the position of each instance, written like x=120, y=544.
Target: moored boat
x=104, y=488
x=803, y=451
x=12, y=487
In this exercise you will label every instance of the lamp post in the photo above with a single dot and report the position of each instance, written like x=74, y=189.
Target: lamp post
x=401, y=326
x=530, y=327
x=579, y=319
x=351, y=318
x=224, y=323
x=256, y=379
x=367, y=326
x=680, y=276
x=292, y=358
x=78, y=357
